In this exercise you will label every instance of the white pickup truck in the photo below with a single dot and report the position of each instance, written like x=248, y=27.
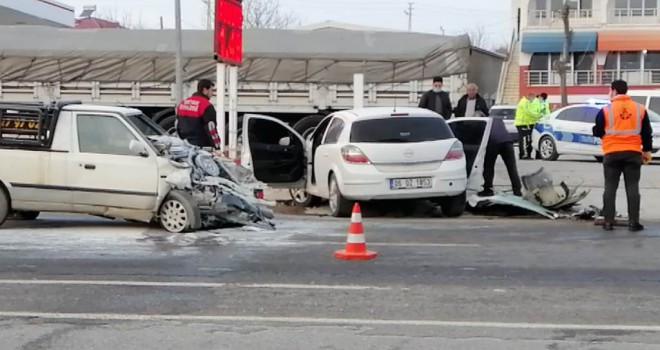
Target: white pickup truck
x=117, y=163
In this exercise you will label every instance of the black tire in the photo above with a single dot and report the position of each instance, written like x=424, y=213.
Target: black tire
x=302, y=199
x=453, y=207
x=307, y=123
x=549, y=154
x=27, y=215
x=168, y=124
x=179, y=213
x=599, y=159
x=4, y=206
x=160, y=116
x=340, y=207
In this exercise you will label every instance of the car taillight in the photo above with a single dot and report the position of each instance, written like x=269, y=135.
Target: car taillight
x=456, y=152
x=353, y=155
x=259, y=194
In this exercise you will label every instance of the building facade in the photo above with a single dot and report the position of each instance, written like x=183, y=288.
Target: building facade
x=612, y=39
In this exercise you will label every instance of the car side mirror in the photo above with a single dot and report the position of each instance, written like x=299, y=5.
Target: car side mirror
x=285, y=141
x=138, y=149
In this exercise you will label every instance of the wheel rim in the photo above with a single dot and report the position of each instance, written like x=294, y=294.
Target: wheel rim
x=173, y=216
x=299, y=195
x=334, y=196
x=547, y=148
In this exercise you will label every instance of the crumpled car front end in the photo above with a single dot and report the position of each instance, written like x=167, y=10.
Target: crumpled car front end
x=224, y=192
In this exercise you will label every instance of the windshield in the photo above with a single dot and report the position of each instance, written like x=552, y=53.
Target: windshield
x=505, y=113
x=400, y=130
x=146, y=125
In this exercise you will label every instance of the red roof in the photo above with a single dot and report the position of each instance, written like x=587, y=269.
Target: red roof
x=94, y=23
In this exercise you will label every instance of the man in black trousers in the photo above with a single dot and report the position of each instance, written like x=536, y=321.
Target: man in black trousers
x=500, y=144
x=627, y=141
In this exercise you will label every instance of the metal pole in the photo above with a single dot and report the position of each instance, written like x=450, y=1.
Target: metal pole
x=358, y=90
x=209, y=14
x=221, y=78
x=179, y=51
x=233, y=111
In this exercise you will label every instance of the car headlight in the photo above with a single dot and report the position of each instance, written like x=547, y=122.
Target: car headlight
x=208, y=165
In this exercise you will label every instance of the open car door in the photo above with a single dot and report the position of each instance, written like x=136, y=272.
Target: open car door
x=474, y=134
x=273, y=151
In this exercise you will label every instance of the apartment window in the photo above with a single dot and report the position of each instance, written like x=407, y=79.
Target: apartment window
x=652, y=60
x=630, y=60
x=581, y=5
x=635, y=8
x=552, y=5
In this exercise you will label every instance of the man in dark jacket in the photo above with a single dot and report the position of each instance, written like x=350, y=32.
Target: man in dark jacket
x=500, y=144
x=196, y=117
x=471, y=103
x=437, y=100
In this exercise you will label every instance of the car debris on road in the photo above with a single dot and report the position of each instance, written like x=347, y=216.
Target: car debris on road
x=540, y=196
x=224, y=191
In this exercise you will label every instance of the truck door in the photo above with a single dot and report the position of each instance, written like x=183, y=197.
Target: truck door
x=104, y=172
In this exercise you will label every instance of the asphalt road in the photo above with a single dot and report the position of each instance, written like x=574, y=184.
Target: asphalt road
x=471, y=283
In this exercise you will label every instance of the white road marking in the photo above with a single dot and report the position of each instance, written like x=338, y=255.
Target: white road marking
x=189, y=284
x=387, y=244
x=327, y=321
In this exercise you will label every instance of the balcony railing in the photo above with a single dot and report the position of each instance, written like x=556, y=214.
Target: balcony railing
x=551, y=78
x=548, y=18
x=633, y=16
x=588, y=77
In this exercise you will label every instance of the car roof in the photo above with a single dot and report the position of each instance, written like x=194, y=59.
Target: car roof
x=654, y=93
x=381, y=112
x=100, y=108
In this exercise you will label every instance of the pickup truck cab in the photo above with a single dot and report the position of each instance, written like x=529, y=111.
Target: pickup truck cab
x=89, y=159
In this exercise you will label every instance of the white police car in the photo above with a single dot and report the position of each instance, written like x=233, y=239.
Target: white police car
x=568, y=131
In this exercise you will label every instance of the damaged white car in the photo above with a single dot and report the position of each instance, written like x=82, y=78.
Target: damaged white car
x=115, y=162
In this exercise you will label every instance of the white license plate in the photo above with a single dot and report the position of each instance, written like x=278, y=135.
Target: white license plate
x=414, y=183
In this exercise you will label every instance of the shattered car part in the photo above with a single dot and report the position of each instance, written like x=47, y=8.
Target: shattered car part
x=509, y=199
x=540, y=196
x=540, y=189
x=224, y=193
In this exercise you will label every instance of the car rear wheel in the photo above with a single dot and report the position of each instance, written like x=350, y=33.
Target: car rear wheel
x=303, y=199
x=548, y=149
x=453, y=206
x=340, y=207
x=4, y=206
x=179, y=214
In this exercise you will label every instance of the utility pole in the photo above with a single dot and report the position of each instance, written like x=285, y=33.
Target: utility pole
x=409, y=13
x=563, y=63
x=179, y=51
x=209, y=14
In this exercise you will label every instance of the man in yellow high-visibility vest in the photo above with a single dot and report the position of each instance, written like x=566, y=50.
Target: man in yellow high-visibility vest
x=527, y=114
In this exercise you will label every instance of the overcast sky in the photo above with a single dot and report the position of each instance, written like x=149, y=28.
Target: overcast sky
x=428, y=15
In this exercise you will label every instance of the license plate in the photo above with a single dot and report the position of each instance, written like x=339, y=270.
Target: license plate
x=414, y=183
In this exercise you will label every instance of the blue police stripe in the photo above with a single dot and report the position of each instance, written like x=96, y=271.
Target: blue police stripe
x=585, y=139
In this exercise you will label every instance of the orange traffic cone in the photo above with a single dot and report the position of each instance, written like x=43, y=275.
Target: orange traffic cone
x=356, y=245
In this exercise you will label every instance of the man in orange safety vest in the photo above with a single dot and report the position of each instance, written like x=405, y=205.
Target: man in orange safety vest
x=626, y=133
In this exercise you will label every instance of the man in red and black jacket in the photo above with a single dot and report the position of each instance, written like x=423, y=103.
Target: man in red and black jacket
x=196, y=117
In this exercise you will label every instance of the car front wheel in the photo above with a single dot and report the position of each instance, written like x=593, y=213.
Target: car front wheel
x=303, y=199
x=340, y=207
x=179, y=214
x=4, y=206
x=548, y=149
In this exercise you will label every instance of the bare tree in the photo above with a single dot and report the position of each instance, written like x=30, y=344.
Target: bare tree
x=125, y=19
x=262, y=14
x=478, y=36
